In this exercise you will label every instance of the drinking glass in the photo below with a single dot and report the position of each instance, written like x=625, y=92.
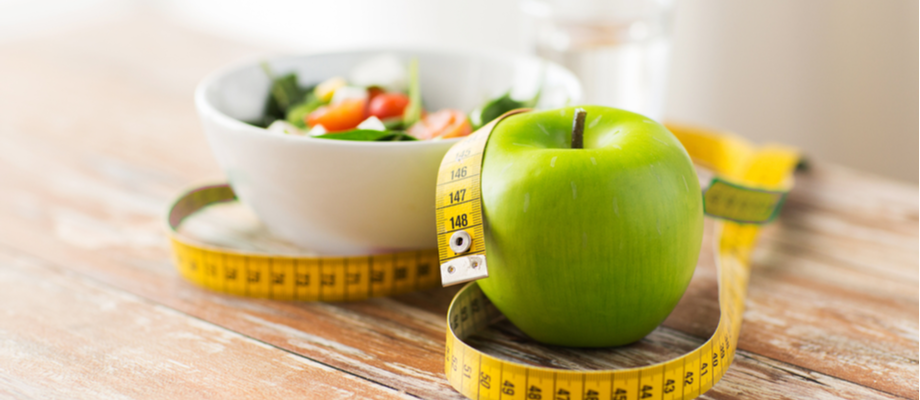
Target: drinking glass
x=619, y=49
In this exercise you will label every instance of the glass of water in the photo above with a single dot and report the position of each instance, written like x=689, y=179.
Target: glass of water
x=619, y=49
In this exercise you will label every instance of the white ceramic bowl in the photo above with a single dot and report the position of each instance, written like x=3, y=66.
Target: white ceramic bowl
x=349, y=198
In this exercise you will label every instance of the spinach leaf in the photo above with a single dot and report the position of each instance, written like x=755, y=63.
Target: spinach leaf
x=397, y=136
x=394, y=124
x=365, y=135
x=496, y=107
x=284, y=90
x=493, y=109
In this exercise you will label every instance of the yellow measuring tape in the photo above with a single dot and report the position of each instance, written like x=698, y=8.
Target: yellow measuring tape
x=750, y=190
x=292, y=277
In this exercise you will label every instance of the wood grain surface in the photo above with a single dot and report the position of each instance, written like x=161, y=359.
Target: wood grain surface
x=98, y=132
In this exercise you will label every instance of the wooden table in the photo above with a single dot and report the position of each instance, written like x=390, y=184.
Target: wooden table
x=98, y=132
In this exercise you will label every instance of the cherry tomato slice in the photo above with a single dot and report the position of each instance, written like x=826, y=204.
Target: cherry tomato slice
x=339, y=117
x=374, y=91
x=388, y=105
x=443, y=124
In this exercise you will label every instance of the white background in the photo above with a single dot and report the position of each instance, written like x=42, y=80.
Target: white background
x=838, y=78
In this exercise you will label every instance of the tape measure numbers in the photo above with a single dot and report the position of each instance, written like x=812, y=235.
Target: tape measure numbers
x=482, y=376
x=292, y=277
x=461, y=237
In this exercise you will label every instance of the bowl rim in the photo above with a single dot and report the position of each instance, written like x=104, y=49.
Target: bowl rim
x=208, y=110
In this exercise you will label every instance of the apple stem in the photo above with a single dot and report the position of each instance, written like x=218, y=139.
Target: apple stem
x=578, y=128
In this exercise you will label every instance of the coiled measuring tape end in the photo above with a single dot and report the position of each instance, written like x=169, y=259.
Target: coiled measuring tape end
x=282, y=277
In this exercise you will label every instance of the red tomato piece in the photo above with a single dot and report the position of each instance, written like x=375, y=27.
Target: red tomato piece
x=374, y=91
x=443, y=124
x=339, y=117
x=388, y=105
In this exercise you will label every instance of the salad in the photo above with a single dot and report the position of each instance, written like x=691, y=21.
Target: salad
x=381, y=101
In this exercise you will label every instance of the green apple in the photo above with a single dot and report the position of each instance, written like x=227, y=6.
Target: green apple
x=592, y=246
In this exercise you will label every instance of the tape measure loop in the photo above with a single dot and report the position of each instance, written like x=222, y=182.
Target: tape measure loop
x=752, y=197
x=280, y=277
